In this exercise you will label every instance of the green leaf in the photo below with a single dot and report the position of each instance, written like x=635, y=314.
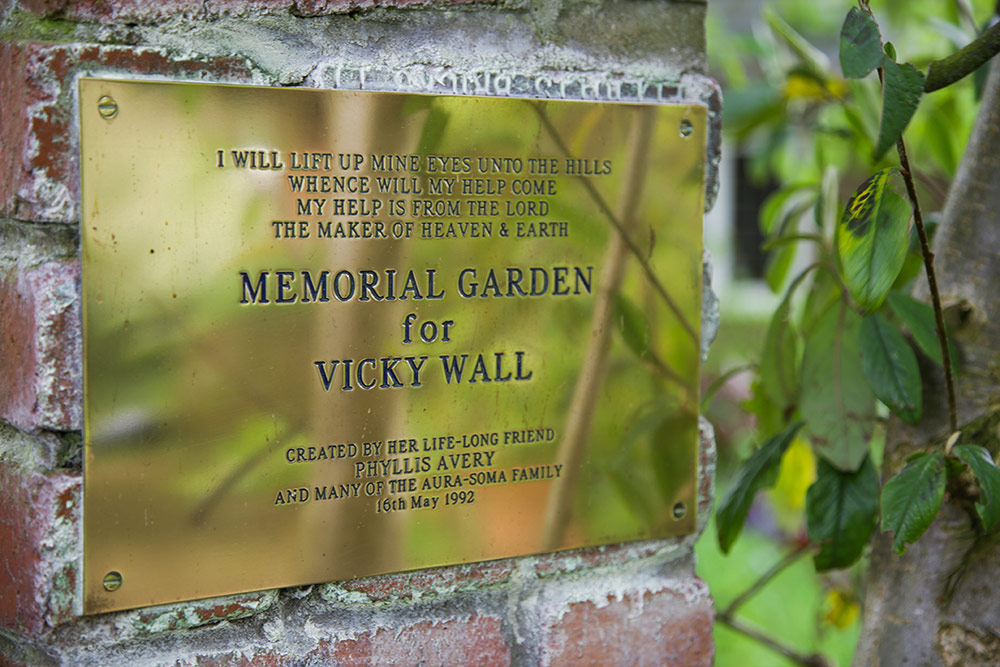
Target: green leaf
x=919, y=319
x=783, y=206
x=834, y=397
x=912, y=498
x=872, y=240
x=779, y=372
x=901, y=92
x=988, y=474
x=890, y=51
x=860, y=44
x=891, y=368
x=812, y=58
x=779, y=265
x=632, y=323
x=828, y=204
x=841, y=510
x=758, y=472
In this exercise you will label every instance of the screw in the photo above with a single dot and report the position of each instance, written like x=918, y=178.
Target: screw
x=687, y=129
x=107, y=107
x=112, y=581
x=679, y=511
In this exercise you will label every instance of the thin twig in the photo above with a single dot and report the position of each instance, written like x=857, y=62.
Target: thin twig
x=925, y=248
x=777, y=569
x=812, y=660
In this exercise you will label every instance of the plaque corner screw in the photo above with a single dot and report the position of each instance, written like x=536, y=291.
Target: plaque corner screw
x=107, y=107
x=680, y=511
x=687, y=128
x=112, y=581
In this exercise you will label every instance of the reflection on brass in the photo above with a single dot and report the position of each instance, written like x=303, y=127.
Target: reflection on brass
x=331, y=334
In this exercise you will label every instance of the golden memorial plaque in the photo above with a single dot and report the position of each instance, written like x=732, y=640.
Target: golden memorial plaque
x=331, y=334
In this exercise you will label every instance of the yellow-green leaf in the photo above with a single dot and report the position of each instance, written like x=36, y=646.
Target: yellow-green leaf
x=872, y=240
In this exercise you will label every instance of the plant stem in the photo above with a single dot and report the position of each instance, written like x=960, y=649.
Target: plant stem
x=727, y=616
x=777, y=569
x=925, y=248
x=965, y=61
x=790, y=653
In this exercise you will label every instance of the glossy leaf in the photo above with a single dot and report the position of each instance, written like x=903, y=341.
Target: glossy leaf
x=919, y=319
x=988, y=474
x=872, y=240
x=860, y=44
x=901, y=92
x=779, y=371
x=834, y=398
x=841, y=510
x=912, y=498
x=758, y=472
x=890, y=367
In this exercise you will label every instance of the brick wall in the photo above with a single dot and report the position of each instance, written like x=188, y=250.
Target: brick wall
x=636, y=603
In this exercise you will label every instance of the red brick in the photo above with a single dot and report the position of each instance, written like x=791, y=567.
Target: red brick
x=40, y=352
x=39, y=518
x=478, y=640
x=672, y=626
x=39, y=155
x=187, y=615
x=151, y=11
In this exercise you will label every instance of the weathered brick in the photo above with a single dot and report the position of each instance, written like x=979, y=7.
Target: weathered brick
x=187, y=615
x=671, y=626
x=39, y=521
x=148, y=11
x=39, y=153
x=436, y=580
x=40, y=349
x=477, y=640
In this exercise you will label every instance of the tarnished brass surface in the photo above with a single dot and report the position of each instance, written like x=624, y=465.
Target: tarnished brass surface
x=553, y=246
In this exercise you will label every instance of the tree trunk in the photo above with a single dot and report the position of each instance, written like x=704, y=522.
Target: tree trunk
x=940, y=603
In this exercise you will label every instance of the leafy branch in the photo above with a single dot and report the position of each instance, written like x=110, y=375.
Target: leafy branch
x=854, y=337
x=962, y=63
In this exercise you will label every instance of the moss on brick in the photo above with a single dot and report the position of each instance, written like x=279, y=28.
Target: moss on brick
x=24, y=25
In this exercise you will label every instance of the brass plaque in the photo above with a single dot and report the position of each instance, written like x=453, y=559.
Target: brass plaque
x=331, y=334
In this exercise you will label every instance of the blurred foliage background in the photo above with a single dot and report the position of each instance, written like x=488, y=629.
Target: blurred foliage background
x=789, y=117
